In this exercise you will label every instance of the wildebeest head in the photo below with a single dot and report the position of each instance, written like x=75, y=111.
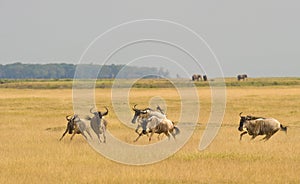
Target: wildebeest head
x=242, y=121
x=137, y=113
x=71, y=124
x=99, y=113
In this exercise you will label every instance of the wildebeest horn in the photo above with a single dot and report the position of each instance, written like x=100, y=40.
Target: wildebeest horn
x=104, y=114
x=91, y=110
x=241, y=114
x=68, y=119
x=134, y=107
x=158, y=108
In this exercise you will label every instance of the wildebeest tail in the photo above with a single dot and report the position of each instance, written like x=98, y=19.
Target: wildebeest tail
x=283, y=128
x=177, y=131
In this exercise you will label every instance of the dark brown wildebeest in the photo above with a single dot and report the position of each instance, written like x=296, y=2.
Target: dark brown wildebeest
x=204, y=77
x=196, y=77
x=255, y=126
x=242, y=77
x=75, y=126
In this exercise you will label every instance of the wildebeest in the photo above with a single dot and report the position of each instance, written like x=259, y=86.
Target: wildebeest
x=205, y=77
x=255, y=126
x=141, y=117
x=153, y=122
x=75, y=126
x=242, y=77
x=98, y=124
x=166, y=126
x=196, y=77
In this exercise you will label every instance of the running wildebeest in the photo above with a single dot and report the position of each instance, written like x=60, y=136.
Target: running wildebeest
x=242, y=77
x=98, y=124
x=255, y=126
x=141, y=117
x=75, y=126
x=196, y=77
x=153, y=122
x=166, y=126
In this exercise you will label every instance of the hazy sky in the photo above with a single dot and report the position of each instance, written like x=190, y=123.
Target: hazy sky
x=260, y=38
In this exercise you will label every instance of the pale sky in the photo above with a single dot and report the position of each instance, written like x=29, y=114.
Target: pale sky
x=260, y=38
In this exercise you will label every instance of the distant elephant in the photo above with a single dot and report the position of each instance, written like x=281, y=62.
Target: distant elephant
x=242, y=77
x=196, y=77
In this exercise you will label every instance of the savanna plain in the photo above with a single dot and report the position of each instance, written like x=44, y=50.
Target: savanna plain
x=33, y=120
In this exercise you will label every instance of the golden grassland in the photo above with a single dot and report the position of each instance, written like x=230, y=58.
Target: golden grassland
x=32, y=121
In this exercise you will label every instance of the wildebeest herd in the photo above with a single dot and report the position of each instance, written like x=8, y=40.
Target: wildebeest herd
x=148, y=120
x=77, y=125
x=151, y=121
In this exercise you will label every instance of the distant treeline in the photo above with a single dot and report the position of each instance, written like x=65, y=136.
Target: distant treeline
x=62, y=71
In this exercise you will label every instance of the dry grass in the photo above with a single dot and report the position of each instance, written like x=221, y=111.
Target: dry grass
x=33, y=120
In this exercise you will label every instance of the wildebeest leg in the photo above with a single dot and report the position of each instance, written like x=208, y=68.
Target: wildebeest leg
x=72, y=135
x=137, y=128
x=268, y=136
x=140, y=134
x=167, y=134
x=160, y=138
x=84, y=135
x=152, y=132
x=98, y=135
x=64, y=134
x=253, y=137
x=265, y=138
x=104, y=136
x=242, y=135
x=88, y=133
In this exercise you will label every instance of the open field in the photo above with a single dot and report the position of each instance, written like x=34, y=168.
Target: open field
x=32, y=121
